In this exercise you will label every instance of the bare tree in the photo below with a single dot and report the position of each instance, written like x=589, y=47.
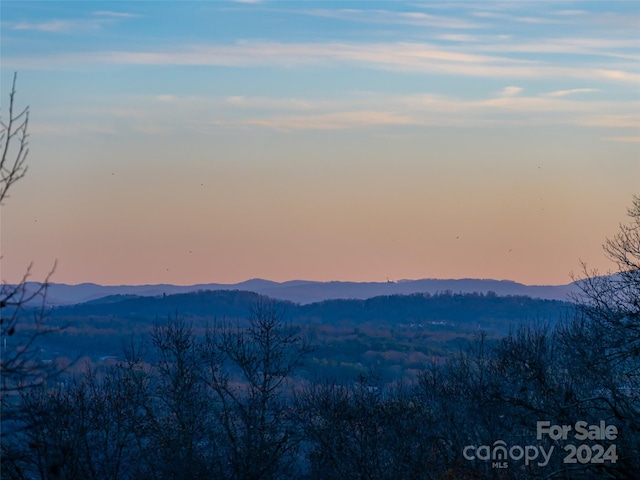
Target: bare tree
x=248, y=375
x=603, y=341
x=609, y=307
x=22, y=305
x=180, y=427
x=13, y=166
x=19, y=365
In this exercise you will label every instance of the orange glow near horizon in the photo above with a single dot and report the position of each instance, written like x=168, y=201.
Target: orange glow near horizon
x=383, y=142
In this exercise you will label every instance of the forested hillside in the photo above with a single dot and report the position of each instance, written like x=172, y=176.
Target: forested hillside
x=394, y=334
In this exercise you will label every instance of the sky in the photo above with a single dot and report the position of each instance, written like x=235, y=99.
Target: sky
x=219, y=141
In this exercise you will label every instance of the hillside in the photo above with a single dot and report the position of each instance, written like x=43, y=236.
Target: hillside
x=397, y=309
x=395, y=333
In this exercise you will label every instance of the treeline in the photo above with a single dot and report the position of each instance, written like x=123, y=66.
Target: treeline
x=223, y=405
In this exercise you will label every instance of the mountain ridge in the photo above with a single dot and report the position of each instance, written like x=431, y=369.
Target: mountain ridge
x=309, y=291
x=496, y=312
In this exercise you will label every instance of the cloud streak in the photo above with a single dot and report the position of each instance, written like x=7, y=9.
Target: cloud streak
x=332, y=121
x=398, y=56
x=419, y=19
x=58, y=26
x=600, y=47
x=161, y=113
x=75, y=25
x=112, y=14
x=510, y=91
x=564, y=93
x=518, y=18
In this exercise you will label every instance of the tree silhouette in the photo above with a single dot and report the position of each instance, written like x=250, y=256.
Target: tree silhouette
x=22, y=305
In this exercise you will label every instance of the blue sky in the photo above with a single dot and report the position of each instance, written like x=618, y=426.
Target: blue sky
x=202, y=141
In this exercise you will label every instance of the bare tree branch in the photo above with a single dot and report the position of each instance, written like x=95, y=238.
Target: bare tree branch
x=13, y=166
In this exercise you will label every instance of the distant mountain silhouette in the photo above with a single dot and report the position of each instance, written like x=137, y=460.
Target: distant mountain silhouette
x=397, y=309
x=304, y=292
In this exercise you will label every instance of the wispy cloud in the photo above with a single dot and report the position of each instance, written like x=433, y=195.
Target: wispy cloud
x=510, y=91
x=75, y=25
x=564, y=93
x=432, y=110
x=429, y=109
x=628, y=120
x=466, y=38
x=332, y=121
x=403, y=55
x=57, y=26
x=602, y=47
x=159, y=114
x=400, y=56
x=270, y=103
x=518, y=18
x=112, y=14
x=400, y=18
x=570, y=13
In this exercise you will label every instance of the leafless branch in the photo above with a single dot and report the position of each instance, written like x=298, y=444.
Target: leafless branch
x=13, y=166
